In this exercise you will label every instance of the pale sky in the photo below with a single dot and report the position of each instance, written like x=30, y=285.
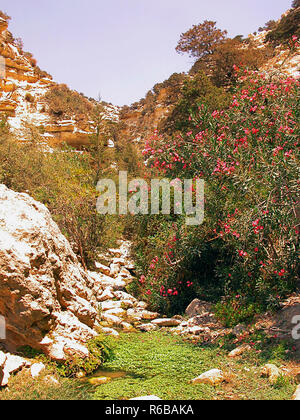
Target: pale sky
x=121, y=48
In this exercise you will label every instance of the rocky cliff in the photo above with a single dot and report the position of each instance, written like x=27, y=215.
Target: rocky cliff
x=23, y=86
x=46, y=297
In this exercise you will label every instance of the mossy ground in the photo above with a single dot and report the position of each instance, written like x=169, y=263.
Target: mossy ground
x=160, y=364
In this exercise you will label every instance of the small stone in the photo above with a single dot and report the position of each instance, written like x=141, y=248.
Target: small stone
x=125, y=273
x=102, y=268
x=99, y=381
x=106, y=295
x=13, y=364
x=239, y=330
x=125, y=297
x=119, y=261
x=147, y=315
x=111, y=319
x=166, y=322
x=116, y=312
x=127, y=327
x=114, y=270
x=213, y=377
x=36, y=369
x=134, y=314
x=179, y=317
x=142, y=305
x=147, y=327
x=110, y=331
x=296, y=396
x=272, y=372
x=147, y=398
x=51, y=380
x=195, y=330
x=117, y=253
x=110, y=304
x=239, y=351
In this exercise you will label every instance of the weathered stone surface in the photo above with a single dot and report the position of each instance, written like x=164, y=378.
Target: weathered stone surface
x=125, y=296
x=127, y=327
x=134, y=314
x=2, y=359
x=197, y=307
x=101, y=281
x=148, y=315
x=124, y=273
x=119, y=261
x=111, y=319
x=114, y=270
x=36, y=369
x=199, y=320
x=142, y=305
x=110, y=331
x=14, y=364
x=117, y=312
x=168, y=322
x=99, y=381
x=296, y=396
x=239, y=351
x=147, y=327
x=196, y=330
x=110, y=304
x=102, y=268
x=43, y=287
x=272, y=372
x=213, y=377
x=108, y=294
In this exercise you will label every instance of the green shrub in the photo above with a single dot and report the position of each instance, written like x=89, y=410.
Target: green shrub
x=236, y=311
x=65, y=103
x=287, y=27
x=65, y=182
x=195, y=91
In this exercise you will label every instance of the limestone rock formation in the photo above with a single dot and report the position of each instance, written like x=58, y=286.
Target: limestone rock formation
x=198, y=307
x=46, y=297
x=213, y=377
x=23, y=86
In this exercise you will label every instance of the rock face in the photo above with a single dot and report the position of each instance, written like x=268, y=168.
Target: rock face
x=22, y=89
x=239, y=351
x=46, y=297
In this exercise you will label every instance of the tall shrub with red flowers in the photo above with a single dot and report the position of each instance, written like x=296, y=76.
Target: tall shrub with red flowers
x=249, y=158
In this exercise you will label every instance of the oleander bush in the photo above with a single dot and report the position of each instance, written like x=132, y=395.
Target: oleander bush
x=247, y=246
